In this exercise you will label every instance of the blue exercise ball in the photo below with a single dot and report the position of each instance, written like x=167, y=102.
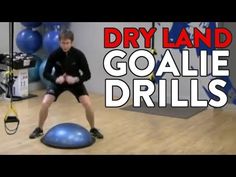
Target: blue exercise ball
x=68, y=135
x=54, y=23
x=34, y=72
x=31, y=24
x=29, y=41
x=51, y=41
x=57, y=26
x=45, y=82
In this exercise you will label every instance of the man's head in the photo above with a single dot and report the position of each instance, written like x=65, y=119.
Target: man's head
x=66, y=38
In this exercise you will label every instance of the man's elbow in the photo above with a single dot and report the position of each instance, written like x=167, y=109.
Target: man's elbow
x=88, y=76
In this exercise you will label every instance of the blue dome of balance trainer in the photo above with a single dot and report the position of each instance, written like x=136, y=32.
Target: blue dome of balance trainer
x=68, y=135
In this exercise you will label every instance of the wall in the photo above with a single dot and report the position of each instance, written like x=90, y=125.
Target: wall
x=4, y=37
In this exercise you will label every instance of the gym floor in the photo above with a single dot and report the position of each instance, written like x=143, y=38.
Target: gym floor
x=209, y=132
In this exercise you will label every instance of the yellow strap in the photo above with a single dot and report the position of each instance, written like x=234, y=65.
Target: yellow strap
x=11, y=109
x=153, y=51
x=151, y=77
x=8, y=73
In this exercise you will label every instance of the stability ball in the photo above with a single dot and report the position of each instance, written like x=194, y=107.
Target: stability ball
x=51, y=41
x=34, y=72
x=31, y=24
x=29, y=41
x=45, y=82
x=68, y=135
x=50, y=24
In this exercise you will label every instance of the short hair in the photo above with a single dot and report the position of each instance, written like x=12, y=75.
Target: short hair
x=66, y=34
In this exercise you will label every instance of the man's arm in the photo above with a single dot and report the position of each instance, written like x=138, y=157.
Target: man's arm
x=85, y=69
x=48, y=70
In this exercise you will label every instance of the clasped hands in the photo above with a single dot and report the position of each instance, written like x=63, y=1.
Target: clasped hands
x=67, y=79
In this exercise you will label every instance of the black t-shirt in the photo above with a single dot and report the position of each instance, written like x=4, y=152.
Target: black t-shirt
x=71, y=63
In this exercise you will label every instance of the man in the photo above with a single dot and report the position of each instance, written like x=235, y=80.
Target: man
x=67, y=61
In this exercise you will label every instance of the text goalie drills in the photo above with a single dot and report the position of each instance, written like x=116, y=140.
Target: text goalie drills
x=167, y=65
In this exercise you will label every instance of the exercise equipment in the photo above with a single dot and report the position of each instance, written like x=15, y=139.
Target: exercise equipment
x=45, y=82
x=34, y=72
x=31, y=24
x=41, y=70
x=50, y=24
x=20, y=62
x=29, y=41
x=51, y=41
x=11, y=115
x=68, y=136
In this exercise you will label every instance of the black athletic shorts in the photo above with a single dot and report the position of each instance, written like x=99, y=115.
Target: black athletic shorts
x=77, y=90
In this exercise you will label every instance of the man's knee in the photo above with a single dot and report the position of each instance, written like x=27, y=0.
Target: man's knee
x=85, y=101
x=87, y=104
x=45, y=104
x=47, y=101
